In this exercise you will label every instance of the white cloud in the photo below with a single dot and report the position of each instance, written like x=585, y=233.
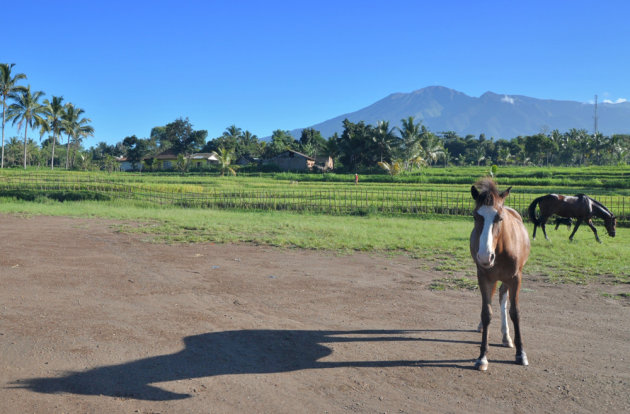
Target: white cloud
x=507, y=99
x=620, y=100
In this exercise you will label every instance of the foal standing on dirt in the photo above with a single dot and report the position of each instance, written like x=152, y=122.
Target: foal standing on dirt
x=499, y=245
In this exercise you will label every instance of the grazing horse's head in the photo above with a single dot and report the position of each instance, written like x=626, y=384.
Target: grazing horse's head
x=611, y=224
x=488, y=214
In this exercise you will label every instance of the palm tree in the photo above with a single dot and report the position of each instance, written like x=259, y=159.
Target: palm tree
x=54, y=114
x=75, y=127
x=411, y=134
x=384, y=139
x=8, y=89
x=225, y=159
x=27, y=111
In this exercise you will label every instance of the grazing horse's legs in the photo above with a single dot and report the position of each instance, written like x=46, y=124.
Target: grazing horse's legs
x=577, y=224
x=543, y=221
x=590, y=224
x=487, y=289
x=515, y=287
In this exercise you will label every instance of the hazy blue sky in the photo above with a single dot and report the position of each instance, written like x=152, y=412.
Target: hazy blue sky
x=266, y=65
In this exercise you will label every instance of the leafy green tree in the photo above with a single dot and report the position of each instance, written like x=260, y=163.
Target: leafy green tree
x=280, y=141
x=356, y=145
x=312, y=142
x=249, y=145
x=8, y=90
x=183, y=138
x=136, y=149
x=27, y=112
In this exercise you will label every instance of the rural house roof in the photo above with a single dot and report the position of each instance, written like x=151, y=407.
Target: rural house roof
x=291, y=154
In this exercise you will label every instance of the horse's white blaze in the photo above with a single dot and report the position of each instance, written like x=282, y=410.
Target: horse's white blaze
x=486, y=240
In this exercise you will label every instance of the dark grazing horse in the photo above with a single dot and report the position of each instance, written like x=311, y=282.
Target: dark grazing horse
x=580, y=206
x=499, y=245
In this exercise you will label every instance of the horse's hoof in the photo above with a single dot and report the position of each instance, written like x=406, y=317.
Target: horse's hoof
x=521, y=359
x=481, y=364
x=507, y=341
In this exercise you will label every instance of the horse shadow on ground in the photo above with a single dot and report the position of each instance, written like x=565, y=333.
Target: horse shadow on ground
x=231, y=352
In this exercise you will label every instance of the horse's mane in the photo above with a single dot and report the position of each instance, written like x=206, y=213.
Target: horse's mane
x=487, y=191
x=600, y=205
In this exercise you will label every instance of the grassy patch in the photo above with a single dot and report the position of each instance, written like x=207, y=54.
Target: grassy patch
x=441, y=242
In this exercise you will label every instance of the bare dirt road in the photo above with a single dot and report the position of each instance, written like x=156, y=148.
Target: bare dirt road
x=96, y=321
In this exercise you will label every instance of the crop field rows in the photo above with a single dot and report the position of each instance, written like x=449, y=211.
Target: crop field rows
x=313, y=197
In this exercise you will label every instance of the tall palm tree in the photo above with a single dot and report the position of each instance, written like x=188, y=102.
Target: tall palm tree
x=8, y=89
x=75, y=127
x=54, y=117
x=410, y=134
x=27, y=111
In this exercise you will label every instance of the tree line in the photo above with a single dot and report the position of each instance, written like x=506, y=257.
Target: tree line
x=22, y=106
x=372, y=148
x=360, y=147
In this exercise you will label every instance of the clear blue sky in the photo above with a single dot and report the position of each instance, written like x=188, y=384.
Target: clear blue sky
x=266, y=65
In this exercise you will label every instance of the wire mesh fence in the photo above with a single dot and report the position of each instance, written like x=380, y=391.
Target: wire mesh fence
x=354, y=201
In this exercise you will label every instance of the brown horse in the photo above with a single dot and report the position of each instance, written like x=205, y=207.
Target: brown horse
x=499, y=245
x=580, y=206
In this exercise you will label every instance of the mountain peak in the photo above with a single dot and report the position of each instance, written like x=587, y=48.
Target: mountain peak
x=496, y=115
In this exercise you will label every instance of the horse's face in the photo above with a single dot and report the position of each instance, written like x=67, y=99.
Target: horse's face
x=488, y=215
x=611, y=224
x=488, y=226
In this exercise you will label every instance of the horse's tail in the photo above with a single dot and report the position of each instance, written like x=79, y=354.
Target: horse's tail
x=532, y=210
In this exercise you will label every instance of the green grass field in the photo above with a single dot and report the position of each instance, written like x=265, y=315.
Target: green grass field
x=441, y=241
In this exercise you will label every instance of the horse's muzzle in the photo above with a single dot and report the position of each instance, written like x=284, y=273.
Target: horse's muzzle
x=486, y=261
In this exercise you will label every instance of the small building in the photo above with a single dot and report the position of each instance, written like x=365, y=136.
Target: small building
x=290, y=160
x=202, y=159
x=166, y=160
x=125, y=165
x=245, y=160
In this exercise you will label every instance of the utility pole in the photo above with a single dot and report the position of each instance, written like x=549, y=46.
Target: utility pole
x=595, y=116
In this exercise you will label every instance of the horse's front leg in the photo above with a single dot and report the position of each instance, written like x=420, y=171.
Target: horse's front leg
x=515, y=287
x=505, y=329
x=577, y=225
x=590, y=224
x=487, y=290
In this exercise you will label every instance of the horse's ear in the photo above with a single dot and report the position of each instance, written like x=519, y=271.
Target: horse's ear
x=505, y=193
x=474, y=192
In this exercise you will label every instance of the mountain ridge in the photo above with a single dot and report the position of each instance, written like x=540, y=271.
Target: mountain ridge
x=496, y=115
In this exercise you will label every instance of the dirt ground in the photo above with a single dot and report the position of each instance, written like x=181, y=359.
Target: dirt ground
x=96, y=321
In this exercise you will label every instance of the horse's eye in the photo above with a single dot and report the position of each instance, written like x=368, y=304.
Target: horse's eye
x=498, y=218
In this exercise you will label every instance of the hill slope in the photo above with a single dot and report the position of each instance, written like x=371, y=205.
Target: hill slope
x=499, y=116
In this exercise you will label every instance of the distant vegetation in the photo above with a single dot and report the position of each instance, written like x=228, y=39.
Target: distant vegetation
x=361, y=147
